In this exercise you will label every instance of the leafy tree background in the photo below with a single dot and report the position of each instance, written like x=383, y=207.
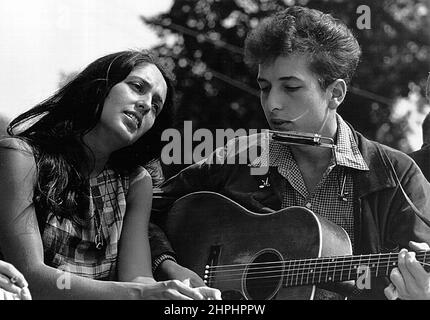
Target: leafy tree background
x=203, y=41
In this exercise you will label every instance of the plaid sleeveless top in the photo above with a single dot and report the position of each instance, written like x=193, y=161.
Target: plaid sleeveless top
x=90, y=249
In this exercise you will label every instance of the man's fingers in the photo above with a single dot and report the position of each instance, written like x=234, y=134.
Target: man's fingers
x=391, y=292
x=419, y=246
x=407, y=279
x=398, y=281
x=415, y=269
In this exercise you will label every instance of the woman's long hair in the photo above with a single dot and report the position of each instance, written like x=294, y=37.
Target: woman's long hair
x=55, y=129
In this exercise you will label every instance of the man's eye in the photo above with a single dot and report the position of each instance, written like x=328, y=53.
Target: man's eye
x=289, y=88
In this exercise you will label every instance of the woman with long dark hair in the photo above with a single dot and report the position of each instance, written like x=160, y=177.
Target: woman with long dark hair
x=74, y=200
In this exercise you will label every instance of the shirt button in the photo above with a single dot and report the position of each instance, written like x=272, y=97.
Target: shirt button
x=308, y=205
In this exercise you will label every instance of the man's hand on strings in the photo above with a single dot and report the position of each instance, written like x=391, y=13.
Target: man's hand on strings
x=409, y=281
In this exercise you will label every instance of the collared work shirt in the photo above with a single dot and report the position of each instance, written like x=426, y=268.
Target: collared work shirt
x=334, y=194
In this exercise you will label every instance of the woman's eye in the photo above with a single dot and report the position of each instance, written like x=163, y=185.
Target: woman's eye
x=264, y=89
x=137, y=86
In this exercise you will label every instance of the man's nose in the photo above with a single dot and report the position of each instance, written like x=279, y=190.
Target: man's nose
x=274, y=102
x=272, y=107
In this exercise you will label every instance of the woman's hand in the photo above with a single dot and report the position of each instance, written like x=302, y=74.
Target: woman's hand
x=409, y=281
x=177, y=290
x=13, y=283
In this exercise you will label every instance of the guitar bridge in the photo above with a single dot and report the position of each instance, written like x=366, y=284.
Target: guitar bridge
x=213, y=259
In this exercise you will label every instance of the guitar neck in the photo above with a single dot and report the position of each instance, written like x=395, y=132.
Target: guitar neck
x=344, y=268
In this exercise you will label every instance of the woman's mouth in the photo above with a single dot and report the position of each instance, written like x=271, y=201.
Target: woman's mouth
x=134, y=117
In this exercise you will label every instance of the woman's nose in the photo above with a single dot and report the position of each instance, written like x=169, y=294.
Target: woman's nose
x=143, y=106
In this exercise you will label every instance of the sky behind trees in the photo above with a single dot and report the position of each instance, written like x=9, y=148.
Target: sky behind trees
x=42, y=39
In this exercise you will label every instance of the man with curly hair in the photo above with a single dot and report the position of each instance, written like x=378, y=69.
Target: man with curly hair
x=378, y=195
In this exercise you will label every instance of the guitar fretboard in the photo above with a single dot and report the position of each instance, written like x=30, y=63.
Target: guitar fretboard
x=337, y=269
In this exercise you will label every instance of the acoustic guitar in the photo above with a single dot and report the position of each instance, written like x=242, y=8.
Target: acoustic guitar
x=280, y=255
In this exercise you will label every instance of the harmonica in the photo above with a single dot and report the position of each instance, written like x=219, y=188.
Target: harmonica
x=302, y=138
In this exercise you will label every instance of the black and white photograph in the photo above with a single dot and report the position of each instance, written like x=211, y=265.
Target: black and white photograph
x=216, y=150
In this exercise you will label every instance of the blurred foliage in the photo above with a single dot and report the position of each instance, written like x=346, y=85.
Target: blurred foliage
x=203, y=41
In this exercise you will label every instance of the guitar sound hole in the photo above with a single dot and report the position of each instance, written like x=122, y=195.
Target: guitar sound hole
x=263, y=278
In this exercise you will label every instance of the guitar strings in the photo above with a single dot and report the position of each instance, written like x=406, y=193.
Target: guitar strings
x=317, y=266
x=302, y=271
x=291, y=273
x=291, y=278
x=327, y=260
x=287, y=274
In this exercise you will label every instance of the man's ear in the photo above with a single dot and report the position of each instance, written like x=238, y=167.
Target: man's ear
x=337, y=90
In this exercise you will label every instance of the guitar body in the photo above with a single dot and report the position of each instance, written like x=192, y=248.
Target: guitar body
x=208, y=229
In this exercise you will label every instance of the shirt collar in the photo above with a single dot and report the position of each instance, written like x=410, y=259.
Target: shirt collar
x=346, y=151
